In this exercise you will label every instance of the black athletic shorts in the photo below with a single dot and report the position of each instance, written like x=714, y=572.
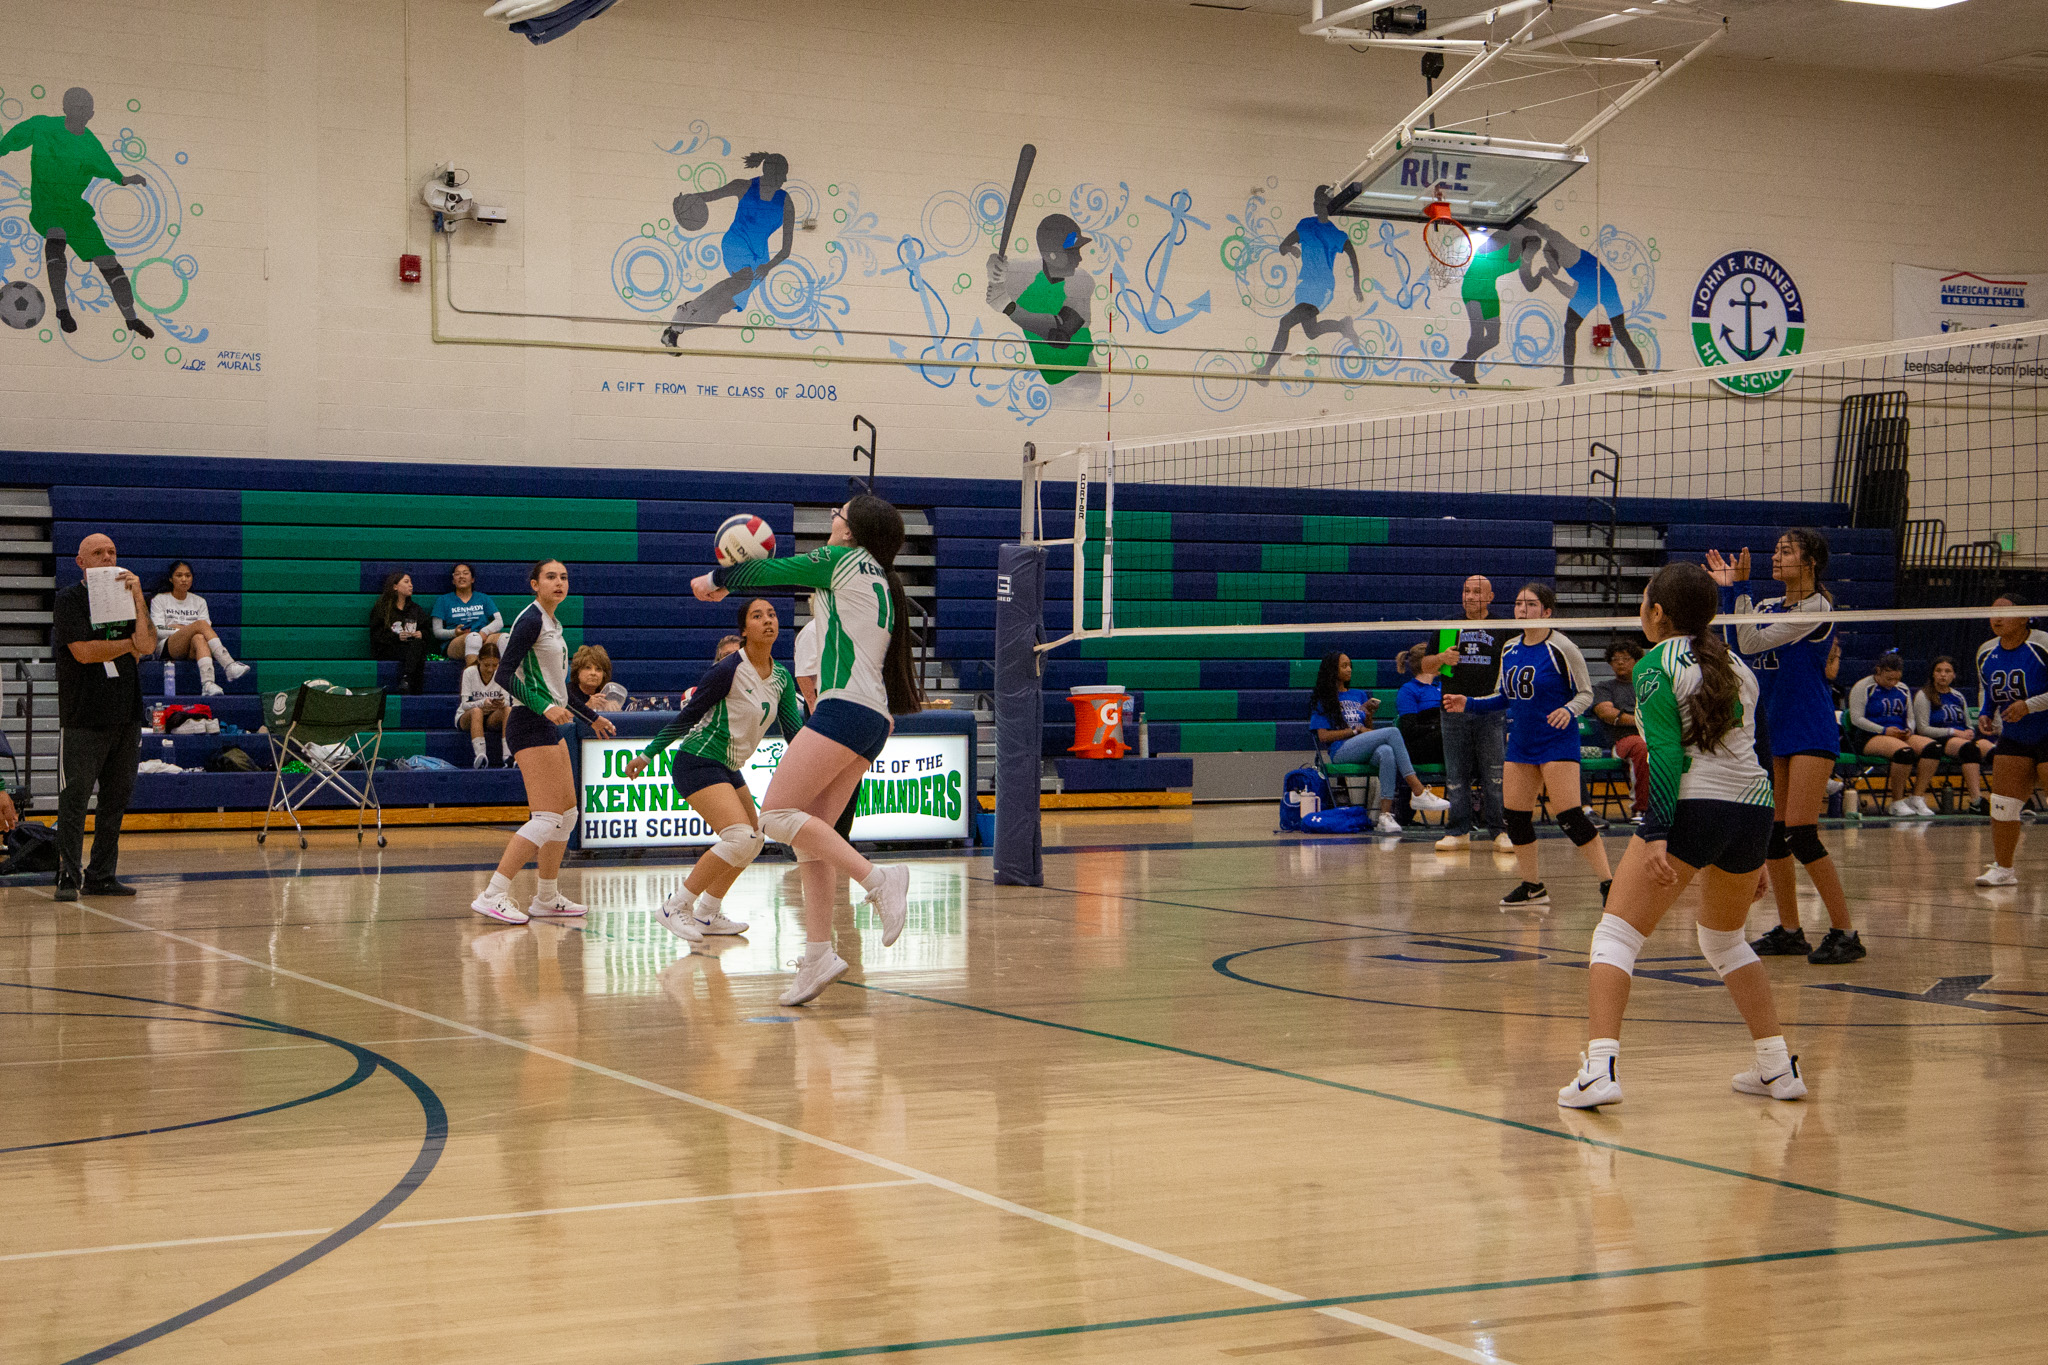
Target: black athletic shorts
x=2036, y=752
x=525, y=730
x=694, y=772
x=1730, y=835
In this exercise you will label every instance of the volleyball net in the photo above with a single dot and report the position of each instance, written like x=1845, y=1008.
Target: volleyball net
x=1920, y=460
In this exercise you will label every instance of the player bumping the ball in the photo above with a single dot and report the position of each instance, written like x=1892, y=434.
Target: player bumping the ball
x=865, y=678
x=1710, y=812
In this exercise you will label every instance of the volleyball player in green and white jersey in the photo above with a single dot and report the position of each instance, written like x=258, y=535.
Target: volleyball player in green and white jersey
x=729, y=713
x=1710, y=810
x=864, y=678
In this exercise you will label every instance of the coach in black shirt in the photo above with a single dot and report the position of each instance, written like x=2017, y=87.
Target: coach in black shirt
x=99, y=706
x=1473, y=744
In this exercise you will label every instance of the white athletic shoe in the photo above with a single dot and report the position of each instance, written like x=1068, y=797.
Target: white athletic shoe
x=891, y=903
x=1834, y=785
x=499, y=907
x=1387, y=824
x=236, y=670
x=1920, y=805
x=675, y=916
x=1786, y=1085
x=716, y=922
x=482, y=761
x=212, y=689
x=1503, y=843
x=813, y=975
x=1595, y=1085
x=1454, y=843
x=561, y=907
x=1902, y=807
x=1995, y=875
x=1429, y=801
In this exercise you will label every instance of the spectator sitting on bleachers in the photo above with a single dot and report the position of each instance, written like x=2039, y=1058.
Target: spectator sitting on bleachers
x=484, y=705
x=1941, y=713
x=398, y=630
x=1340, y=716
x=1419, y=708
x=590, y=672
x=465, y=618
x=183, y=631
x=1614, y=707
x=1880, y=713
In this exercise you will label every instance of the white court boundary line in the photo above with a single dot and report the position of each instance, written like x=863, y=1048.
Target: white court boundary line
x=443, y=1222
x=910, y=1173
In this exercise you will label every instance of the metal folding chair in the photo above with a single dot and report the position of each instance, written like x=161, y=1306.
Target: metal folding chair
x=326, y=731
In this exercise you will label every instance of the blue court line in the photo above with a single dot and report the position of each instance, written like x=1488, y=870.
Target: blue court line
x=1352, y=1300
x=432, y=1144
x=1515, y=1124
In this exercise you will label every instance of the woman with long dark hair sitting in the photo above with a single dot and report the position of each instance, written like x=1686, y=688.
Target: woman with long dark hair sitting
x=398, y=630
x=1340, y=716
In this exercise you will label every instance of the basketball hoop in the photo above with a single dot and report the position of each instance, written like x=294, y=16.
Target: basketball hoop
x=1448, y=244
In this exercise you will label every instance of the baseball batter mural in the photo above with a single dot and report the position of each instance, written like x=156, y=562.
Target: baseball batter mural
x=65, y=157
x=1052, y=299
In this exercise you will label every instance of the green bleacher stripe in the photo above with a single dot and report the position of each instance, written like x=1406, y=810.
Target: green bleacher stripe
x=1180, y=673
x=570, y=613
x=1219, y=737
x=1288, y=646
x=1261, y=587
x=1136, y=554
x=439, y=511
x=1144, y=585
x=276, y=675
x=347, y=541
x=1302, y=672
x=1344, y=530
x=305, y=609
x=1306, y=559
x=1218, y=703
x=302, y=575
x=1130, y=614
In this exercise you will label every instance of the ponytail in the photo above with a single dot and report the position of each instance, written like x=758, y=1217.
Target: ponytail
x=1814, y=546
x=1689, y=598
x=877, y=527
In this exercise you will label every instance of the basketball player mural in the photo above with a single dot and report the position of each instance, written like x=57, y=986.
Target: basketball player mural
x=1495, y=253
x=1316, y=241
x=1585, y=279
x=763, y=206
x=64, y=158
x=1051, y=298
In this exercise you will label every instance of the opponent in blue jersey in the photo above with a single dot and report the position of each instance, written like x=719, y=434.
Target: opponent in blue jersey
x=763, y=207
x=1791, y=659
x=1880, y=714
x=2012, y=678
x=1317, y=241
x=1544, y=689
x=1941, y=713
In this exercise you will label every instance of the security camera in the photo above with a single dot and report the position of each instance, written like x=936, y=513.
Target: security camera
x=450, y=201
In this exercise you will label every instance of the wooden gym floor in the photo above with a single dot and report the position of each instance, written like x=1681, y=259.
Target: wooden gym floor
x=1207, y=1096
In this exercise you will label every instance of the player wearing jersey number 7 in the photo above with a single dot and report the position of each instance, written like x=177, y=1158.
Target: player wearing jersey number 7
x=728, y=714
x=864, y=678
x=1710, y=812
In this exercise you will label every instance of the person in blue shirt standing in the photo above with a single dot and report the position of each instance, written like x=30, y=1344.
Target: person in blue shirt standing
x=1317, y=241
x=1341, y=715
x=2012, y=673
x=1791, y=660
x=1544, y=687
x=465, y=618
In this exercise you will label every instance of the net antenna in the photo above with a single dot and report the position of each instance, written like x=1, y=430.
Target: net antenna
x=1486, y=179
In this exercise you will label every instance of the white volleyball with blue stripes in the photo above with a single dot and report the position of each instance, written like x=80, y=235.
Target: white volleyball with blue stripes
x=741, y=537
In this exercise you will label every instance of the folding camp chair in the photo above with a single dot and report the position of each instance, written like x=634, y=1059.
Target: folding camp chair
x=326, y=731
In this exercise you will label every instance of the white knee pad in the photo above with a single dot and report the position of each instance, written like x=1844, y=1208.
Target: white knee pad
x=739, y=844
x=1616, y=943
x=540, y=827
x=567, y=825
x=2007, y=808
x=784, y=825
x=1725, y=950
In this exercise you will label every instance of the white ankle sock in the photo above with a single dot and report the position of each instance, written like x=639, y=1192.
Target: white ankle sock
x=477, y=745
x=1598, y=1049
x=1771, y=1055
x=500, y=884
x=205, y=671
x=873, y=881
x=220, y=653
x=546, y=890
x=814, y=951
x=708, y=905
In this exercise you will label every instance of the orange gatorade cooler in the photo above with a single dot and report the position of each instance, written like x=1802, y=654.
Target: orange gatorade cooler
x=1098, y=721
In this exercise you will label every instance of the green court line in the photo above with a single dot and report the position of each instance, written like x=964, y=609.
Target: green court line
x=1349, y=1300
x=1446, y=1109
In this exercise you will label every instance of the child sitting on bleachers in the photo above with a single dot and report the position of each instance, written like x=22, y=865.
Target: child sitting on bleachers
x=484, y=704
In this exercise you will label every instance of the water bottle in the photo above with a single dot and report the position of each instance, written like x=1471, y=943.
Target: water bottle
x=170, y=679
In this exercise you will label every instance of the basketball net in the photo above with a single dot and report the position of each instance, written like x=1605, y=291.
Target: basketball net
x=1446, y=241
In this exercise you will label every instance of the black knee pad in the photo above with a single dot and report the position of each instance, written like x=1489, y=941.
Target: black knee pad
x=1576, y=826
x=1973, y=752
x=1521, y=825
x=1904, y=758
x=1780, y=846
x=1804, y=841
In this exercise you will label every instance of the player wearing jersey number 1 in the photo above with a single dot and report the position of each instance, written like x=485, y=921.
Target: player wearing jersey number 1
x=535, y=674
x=864, y=678
x=729, y=712
x=2012, y=671
x=1710, y=812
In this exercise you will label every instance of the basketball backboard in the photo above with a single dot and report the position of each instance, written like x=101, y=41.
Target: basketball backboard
x=1485, y=184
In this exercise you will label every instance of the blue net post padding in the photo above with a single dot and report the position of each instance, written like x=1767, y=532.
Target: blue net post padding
x=1020, y=687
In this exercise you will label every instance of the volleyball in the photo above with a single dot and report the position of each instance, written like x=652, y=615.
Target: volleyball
x=741, y=537
x=21, y=305
x=691, y=212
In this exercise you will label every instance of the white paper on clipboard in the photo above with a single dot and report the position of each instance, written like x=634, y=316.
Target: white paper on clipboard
x=107, y=602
